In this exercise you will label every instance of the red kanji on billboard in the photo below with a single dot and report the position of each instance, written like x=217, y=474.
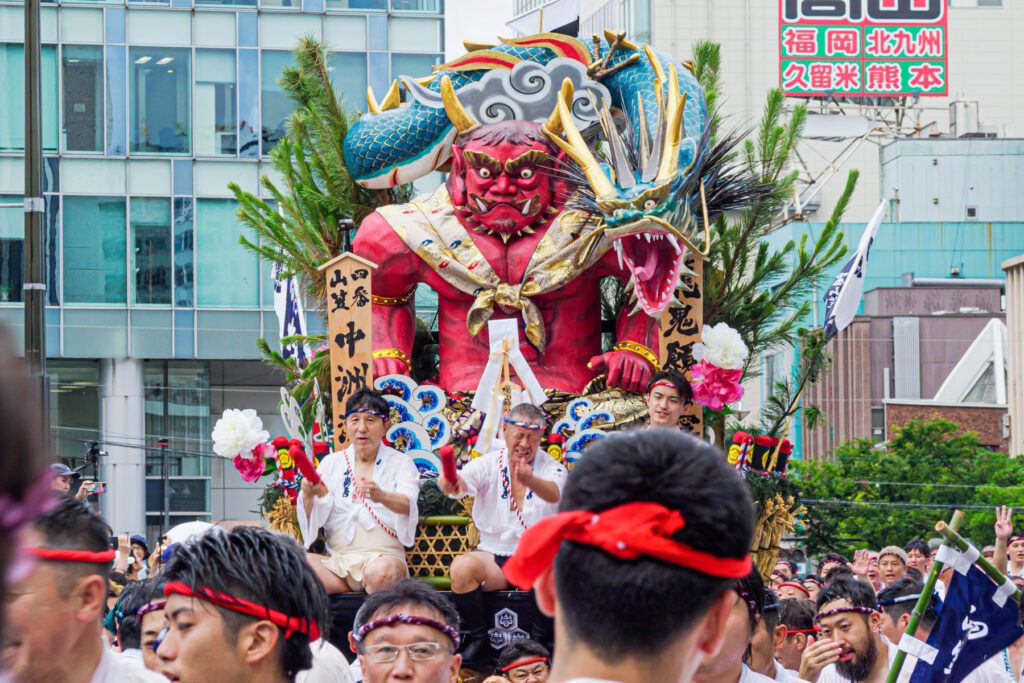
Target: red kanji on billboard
x=863, y=47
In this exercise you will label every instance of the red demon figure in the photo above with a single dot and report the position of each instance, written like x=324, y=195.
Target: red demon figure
x=494, y=243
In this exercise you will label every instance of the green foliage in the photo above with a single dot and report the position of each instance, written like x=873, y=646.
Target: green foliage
x=741, y=263
x=304, y=229
x=781, y=403
x=926, y=463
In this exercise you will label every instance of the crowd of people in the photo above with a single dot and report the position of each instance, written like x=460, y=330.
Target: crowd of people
x=638, y=559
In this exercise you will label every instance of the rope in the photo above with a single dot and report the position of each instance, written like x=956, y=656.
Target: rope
x=359, y=494
x=508, y=487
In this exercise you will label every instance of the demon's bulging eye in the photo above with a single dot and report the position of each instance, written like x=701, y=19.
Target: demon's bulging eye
x=526, y=173
x=484, y=172
x=650, y=204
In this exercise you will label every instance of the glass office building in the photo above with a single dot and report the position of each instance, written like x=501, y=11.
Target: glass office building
x=149, y=109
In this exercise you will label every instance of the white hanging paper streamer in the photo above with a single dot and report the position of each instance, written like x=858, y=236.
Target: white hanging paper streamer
x=499, y=331
x=960, y=561
x=1004, y=591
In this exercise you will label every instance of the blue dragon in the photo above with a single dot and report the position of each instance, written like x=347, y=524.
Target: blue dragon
x=642, y=191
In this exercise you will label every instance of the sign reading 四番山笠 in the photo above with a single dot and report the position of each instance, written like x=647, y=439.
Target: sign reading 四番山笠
x=863, y=48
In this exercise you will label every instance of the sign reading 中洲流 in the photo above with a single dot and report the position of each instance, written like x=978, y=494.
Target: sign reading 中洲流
x=862, y=48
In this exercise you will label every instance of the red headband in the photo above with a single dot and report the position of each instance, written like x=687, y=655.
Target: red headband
x=73, y=555
x=627, y=532
x=795, y=585
x=289, y=624
x=523, y=662
x=1014, y=539
x=816, y=629
x=662, y=383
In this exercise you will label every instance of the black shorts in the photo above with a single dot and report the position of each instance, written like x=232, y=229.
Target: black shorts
x=500, y=560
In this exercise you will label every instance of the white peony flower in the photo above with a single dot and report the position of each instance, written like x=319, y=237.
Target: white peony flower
x=723, y=347
x=237, y=432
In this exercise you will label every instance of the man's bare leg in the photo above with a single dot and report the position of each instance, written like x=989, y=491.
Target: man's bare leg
x=331, y=581
x=382, y=573
x=476, y=570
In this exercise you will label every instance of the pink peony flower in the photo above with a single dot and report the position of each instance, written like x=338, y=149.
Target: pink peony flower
x=252, y=468
x=713, y=387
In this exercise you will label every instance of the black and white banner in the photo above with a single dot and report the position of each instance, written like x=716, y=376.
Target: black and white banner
x=842, y=299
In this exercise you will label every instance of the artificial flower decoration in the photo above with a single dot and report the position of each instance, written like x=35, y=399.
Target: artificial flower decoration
x=723, y=347
x=713, y=386
x=238, y=432
x=252, y=468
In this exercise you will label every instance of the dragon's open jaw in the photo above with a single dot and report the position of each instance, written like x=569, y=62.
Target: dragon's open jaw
x=653, y=259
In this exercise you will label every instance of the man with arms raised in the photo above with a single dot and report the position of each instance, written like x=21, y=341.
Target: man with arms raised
x=242, y=606
x=53, y=618
x=668, y=397
x=513, y=488
x=407, y=633
x=366, y=502
x=637, y=567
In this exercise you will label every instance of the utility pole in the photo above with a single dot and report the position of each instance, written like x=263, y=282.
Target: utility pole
x=34, y=284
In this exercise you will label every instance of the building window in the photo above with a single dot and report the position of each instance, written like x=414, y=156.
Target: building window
x=184, y=272
x=216, y=99
x=12, y=238
x=878, y=424
x=177, y=407
x=12, y=107
x=94, y=250
x=426, y=6
x=348, y=76
x=359, y=5
x=276, y=105
x=975, y=3
x=413, y=65
x=83, y=98
x=227, y=274
x=74, y=406
x=159, y=96
x=151, y=249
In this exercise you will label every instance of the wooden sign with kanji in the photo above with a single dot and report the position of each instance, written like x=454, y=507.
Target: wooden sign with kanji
x=680, y=330
x=349, y=332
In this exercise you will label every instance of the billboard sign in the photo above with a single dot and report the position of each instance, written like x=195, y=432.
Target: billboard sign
x=863, y=48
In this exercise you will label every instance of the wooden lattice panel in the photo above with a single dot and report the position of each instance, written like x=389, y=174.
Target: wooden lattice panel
x=439, y=540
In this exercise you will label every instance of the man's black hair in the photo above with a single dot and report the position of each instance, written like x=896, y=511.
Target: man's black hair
x=797, y=615
x=367, y=398
x=645, y=603
x=770, y=609
x=832, y=557
x=406, y=592
x=261, y=566
x=676, y=380
x=918, y=544
x=72, y=525
x=903, y=588
x=841, y=572
x=857, y=593
x=134, y=596
x=520, y=649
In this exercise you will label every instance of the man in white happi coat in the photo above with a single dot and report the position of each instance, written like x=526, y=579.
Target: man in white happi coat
x=513, y=487
x=366, y=503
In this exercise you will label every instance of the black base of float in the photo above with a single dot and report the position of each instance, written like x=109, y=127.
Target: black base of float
x=511, y=615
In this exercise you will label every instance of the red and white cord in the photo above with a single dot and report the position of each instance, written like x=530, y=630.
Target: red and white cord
x=366, y=503
x=508, y=488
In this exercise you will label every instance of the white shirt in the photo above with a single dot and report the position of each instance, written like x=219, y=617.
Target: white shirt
x=784, y=675
x=115, y=669
x=748, y=675
x=490, y=485
x=341, y=508
x=992, y=670
x=329, y=665
x=830, y=675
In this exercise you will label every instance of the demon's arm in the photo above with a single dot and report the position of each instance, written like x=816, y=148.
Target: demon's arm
x=394, y=283
x=628, y=366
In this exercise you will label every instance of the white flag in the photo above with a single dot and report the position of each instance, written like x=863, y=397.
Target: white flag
x=290, y=317
x=842, y=299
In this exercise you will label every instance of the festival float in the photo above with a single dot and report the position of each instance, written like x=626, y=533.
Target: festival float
x=578, y=173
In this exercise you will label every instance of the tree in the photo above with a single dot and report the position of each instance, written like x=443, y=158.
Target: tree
x=870, y=497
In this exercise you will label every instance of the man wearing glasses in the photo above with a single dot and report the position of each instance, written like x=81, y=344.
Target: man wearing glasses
x=408, y=632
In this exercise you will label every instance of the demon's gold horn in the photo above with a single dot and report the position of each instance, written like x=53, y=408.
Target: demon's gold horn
x=392, y=99
x=576, y=147
x=457, y=114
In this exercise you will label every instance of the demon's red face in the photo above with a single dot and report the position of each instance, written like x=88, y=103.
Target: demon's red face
x=498, y=183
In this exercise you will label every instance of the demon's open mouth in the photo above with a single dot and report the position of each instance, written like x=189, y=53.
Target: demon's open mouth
x=530, y=206
x=653, y=258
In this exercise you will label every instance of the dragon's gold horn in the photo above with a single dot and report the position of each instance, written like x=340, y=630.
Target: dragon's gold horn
x=457, y=114
x=553, y=126
x=655, y=63
x=674, y=128
x=576, y=148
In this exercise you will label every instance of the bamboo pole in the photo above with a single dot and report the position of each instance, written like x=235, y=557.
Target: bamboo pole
x=922, y=602
x=954, y=539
